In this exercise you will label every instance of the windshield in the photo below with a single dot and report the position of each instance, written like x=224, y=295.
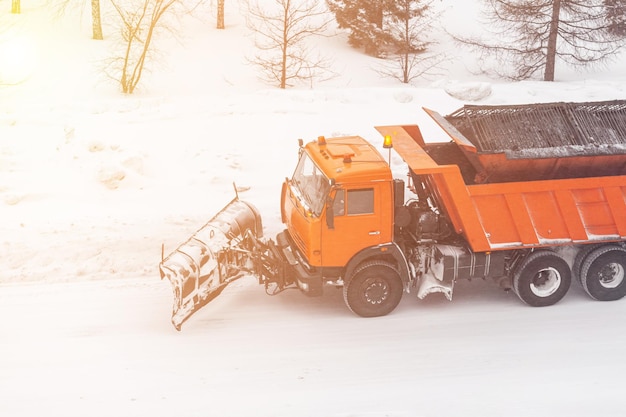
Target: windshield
x=311, y=183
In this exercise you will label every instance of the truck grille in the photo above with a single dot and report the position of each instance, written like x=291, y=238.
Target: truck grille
x=299, y=241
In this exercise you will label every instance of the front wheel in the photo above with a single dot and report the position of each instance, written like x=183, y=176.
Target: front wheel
x=542, y=279
x=603, y=273
x=375, y=289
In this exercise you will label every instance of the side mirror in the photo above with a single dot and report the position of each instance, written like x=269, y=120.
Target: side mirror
x=300, y=148
x=330, y=213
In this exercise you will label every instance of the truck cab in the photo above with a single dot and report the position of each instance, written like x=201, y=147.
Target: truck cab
x=338, y=206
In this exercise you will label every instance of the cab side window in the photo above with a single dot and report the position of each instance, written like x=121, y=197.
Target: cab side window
x=360, y=201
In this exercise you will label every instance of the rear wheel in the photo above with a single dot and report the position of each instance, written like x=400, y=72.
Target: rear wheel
x=603, y=273
x=579, y=259
x=542, y=279
x=375, y=289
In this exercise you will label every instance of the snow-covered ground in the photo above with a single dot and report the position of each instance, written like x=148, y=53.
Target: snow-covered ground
x=92, y=183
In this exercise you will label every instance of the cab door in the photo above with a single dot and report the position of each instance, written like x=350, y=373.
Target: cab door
x=355, y=222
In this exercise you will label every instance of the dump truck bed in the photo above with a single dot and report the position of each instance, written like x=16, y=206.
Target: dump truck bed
x=540, y=141
x=511, y=215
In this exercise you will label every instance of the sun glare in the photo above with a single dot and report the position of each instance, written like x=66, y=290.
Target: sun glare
x=18, y=60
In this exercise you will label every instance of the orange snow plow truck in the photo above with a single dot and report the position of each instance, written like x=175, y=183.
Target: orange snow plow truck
x=527, y=196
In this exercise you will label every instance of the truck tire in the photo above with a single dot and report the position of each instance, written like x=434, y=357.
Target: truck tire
x=375, y=289
x=602, y=273
x=542, y=279
x=580, y=259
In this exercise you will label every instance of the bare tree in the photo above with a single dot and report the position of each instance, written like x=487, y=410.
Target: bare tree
x=406, y=24
x=408, y=67
x=96, y=20
x=616, y=16
x=140, y=22
x=530, y=35
x=220, y=14
x=61, y=7
x=281, y=33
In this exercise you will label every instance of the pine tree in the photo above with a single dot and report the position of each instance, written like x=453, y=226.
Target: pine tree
x=366, y=21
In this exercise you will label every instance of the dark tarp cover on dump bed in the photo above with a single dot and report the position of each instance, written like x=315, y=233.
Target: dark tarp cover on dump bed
x=540, y=141
x=581, y=128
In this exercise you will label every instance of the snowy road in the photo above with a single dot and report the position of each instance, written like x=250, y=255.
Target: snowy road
x=93, y=182
x=93, y=348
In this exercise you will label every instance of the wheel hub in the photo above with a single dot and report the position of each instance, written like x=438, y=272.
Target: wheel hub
x=612, y=275
x=546, y=282
x=376, y=291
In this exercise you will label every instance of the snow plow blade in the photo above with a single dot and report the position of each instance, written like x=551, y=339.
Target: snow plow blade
x=213, y=257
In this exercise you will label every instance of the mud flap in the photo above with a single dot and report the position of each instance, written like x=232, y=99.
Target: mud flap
x=437, y=278
x=213, y=257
